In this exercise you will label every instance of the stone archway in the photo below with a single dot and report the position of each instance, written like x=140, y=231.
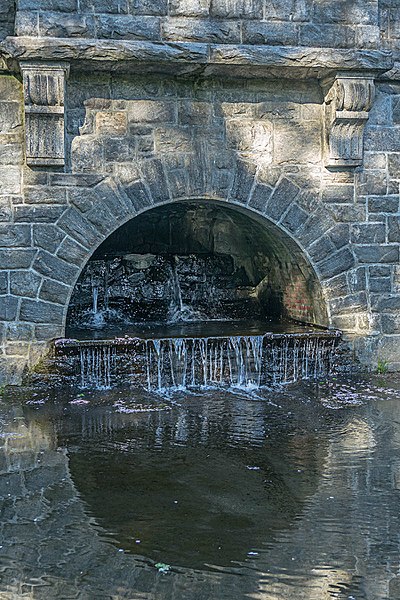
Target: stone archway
x=196, y=261
x=96, y=206
x=95, y=212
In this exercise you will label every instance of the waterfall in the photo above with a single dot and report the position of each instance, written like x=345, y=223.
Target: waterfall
x=178, y=311
x=95, y=300
x=96, y=364
x=176, y=300
x=236, y=361
x=244, y=361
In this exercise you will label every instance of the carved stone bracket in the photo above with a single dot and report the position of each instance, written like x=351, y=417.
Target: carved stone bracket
x=44, y=94
x=347, y=103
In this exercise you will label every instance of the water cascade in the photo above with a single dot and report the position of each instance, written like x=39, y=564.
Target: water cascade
x=248, y=361
x=95, y=301
x=237, y=361
x=178, y=310
x=96, y=365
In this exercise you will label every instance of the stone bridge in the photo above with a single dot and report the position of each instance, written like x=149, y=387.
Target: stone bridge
x=109, y=109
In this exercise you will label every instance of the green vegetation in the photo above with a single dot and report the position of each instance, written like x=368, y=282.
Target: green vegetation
x=382, y=367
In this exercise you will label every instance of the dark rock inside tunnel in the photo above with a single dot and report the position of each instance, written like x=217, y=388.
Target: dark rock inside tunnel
x=196, y=261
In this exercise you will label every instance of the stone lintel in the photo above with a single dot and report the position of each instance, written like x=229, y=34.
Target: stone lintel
x=348, y=99
x=182, y=58
x=44, y=94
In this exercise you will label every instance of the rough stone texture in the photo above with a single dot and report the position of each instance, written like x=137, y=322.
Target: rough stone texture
x=245, y=125
x=7, y=17
x=340, y=23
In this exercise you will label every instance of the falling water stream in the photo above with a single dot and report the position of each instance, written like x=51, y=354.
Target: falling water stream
x=249, y=361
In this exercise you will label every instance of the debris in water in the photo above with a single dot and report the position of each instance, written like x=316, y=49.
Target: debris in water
x=162, y=567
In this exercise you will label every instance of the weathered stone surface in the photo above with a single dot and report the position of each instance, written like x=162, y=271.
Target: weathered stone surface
x=284, y=194
x=384, y=204
x=300, y=60
x=47, y=237
x=15, y=236
x=6, y=211
x=152, y=111
x=24, y=283
x=52, y=291
x=380, y=285
x=148, y=7
x=243, y=181
x=321, y=248
x=339, y=36
x=11, y=154
x=245, y=9
x=48, y=332
x=153, y=174
x=16, y=258
x=19, y=332
x=340, y=235
x=126, y=27
x=260, y=196
x=384, y=138
x=338, y=193
x=394, y=229
x=380, y=271
x=64, y=25
x=37, y=311
x=294, y=219
x=10, y=116
x=341, y=261
x=50, y=266
x=338, y=12
x=10, y=179
x=368, y=233
x=355, y=303
x=8, y=308
x=78, y=227
x=377, y=254
x=3, y=283
x=38, y=213
x=72, y=252
x=274, y=34
x=45, y=195
x=196, y=30
x=292, y=10
x=42, y=5
x=138, y=195
x=189, y=8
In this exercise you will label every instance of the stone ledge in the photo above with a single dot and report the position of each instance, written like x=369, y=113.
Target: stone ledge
x=394, y=73
x=181, y=58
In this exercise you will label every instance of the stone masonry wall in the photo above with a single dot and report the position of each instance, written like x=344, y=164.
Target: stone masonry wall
x=134, y=141
x=338, y=23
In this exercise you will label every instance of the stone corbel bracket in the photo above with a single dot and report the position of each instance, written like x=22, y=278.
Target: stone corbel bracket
x=44, y=96
x=348, y=100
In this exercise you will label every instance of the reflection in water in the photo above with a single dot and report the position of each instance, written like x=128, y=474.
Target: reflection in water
x=270, y=495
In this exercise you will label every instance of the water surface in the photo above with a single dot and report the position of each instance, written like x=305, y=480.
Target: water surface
x=212, y=494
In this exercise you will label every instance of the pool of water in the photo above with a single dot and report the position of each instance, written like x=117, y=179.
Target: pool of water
x=211, y=328
x=215, y=494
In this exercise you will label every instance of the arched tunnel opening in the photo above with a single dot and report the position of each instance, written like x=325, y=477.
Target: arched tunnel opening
x=196, y=262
